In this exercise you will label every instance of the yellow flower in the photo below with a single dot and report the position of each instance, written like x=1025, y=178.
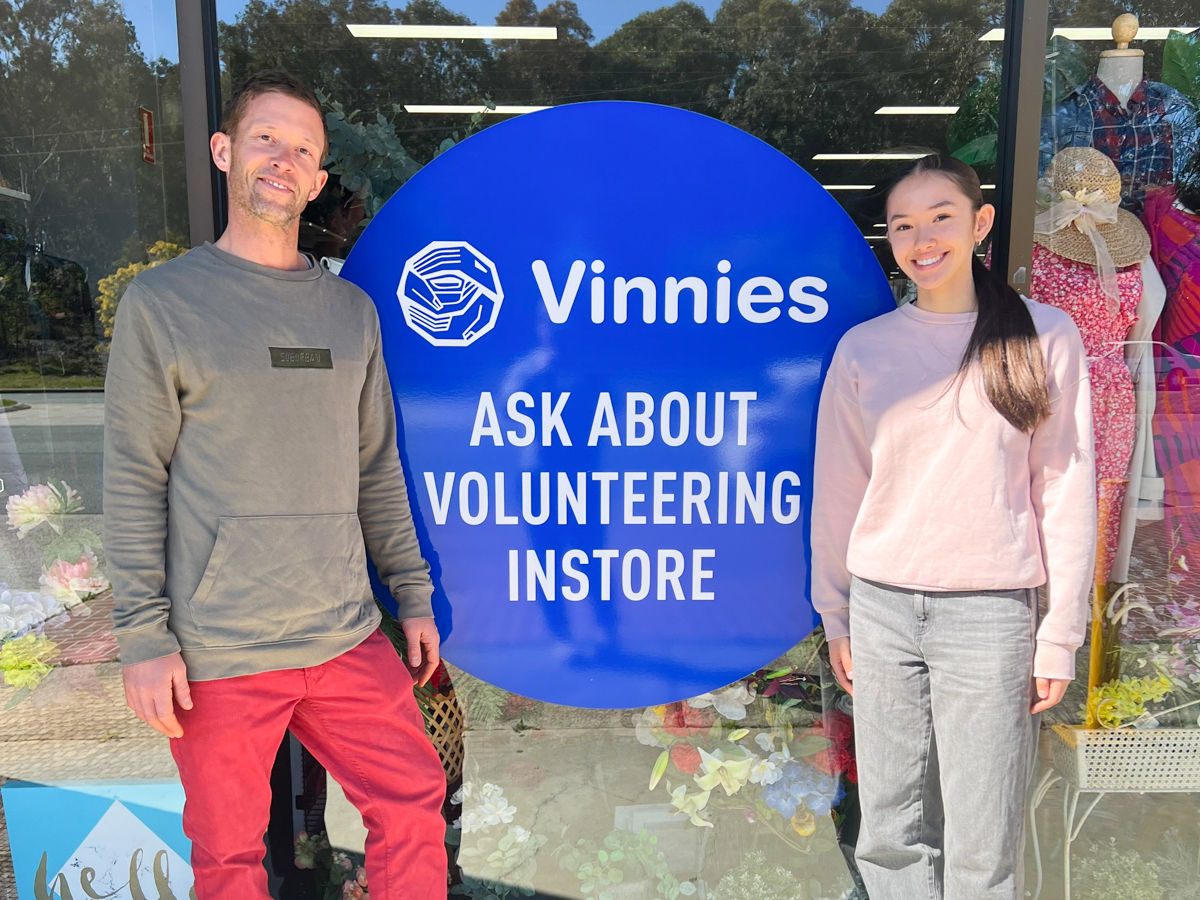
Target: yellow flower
x=730, y=774
x=804, y=822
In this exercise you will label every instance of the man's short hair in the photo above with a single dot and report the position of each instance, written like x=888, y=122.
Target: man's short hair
x=273, y=81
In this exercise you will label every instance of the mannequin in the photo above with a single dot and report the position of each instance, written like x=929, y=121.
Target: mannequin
x=1145, y=127
x=1120, y=70
x=1091, y=260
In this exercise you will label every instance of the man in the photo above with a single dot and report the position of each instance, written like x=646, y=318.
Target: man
x=250, y=448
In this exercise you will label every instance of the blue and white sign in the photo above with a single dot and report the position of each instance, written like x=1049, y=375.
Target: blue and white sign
x=606, y=326
x=114, y=839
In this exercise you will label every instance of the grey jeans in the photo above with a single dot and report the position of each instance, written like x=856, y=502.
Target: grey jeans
x=943, y=683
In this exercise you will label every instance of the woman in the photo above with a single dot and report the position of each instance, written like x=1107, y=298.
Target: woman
x=954, y=476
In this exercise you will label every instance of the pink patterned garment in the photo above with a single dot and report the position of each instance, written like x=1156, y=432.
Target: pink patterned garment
x=1075, y=288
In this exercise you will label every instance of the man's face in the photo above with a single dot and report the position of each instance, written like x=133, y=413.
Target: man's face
x=274, y=160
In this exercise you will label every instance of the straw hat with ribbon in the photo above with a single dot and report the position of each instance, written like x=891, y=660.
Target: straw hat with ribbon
x=1079, y=216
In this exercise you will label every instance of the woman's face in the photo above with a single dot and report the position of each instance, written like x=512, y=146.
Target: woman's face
x=933, y=229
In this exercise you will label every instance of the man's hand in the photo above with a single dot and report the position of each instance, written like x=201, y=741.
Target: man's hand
x=1050, y=691
x=840, y=662
x=152, y=688
x=423, y=642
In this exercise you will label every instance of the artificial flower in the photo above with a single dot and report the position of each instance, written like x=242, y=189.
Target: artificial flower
x=691, y=804
x=360, y=875
x=24, y=661
x=72, y=583
x=647, y=727
x=22, y=611
x=685, y=758
x=490, y=809
x=804, y=823
x=730, y=774
x=838, y=757
x=38, y=505
x=683, y=720
x=765, y=771
x=730, y=702
x=803, y=785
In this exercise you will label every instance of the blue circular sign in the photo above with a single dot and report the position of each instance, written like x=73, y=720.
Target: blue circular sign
x=606, y=326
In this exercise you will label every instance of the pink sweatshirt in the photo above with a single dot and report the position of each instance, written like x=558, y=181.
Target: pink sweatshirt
x=909, y=493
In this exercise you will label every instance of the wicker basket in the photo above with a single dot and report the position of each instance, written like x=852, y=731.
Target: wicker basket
x=1158, y=759
x=444, y=723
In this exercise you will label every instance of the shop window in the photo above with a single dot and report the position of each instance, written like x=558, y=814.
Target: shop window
x=91, y=191
x=1119, y=152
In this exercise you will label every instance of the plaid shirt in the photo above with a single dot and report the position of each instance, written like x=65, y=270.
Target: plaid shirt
x=1150, y=140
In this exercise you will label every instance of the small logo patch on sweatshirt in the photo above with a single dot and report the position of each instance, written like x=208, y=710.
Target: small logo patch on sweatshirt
x=300, y=358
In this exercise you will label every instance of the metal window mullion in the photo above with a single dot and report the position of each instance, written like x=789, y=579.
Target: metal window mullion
x=200, y=87
x=1026, y=23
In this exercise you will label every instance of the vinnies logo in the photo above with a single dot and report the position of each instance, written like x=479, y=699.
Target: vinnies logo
x=450, y=294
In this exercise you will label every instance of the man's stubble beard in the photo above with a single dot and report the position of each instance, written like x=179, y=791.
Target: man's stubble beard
x=246, y=200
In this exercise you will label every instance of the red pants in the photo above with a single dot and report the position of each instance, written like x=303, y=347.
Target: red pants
x=357, y=715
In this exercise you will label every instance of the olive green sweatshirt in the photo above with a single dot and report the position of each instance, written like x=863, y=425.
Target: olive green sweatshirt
x=250, y=464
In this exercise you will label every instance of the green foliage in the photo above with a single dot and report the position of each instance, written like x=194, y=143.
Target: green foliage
x=1181, y=64
x=623, y=856
x=501, y=867
x=755, y=880
x=976, y=117
x=1067, y=67
x=482, y=703
x=1178, y=868
x=1106, y=873
x=72, y=76
x=366, y=157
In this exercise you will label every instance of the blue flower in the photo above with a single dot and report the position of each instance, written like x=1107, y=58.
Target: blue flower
x=803, y=784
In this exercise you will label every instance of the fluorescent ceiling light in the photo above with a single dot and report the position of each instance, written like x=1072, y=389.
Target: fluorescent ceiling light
x=17, y=195
x=875, y=237
x=481, y=32
x=833, y=157
x=881, y=225
x=469, y=109
x=1098, y=34
x=987, y=187
x=847, y=187
x=916, y=110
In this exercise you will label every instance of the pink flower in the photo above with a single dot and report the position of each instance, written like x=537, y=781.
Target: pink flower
x=352, y=890
x=361, y=875
x=71, y=583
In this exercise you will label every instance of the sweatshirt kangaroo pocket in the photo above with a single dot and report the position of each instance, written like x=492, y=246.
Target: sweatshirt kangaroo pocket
x=280, y=578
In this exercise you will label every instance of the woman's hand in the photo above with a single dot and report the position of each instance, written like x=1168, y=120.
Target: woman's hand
x=843, y=667
x=1049, y=690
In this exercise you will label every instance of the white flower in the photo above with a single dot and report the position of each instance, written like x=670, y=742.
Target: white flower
x=457, y=797
x=769, y=770
x=765, y=771
x=492, y=809
x=730, y=702
x=519, y=834
x=645, y=725
x=22, y=611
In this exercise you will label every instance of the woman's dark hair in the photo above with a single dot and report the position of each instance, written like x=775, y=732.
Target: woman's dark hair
x=1005, y=341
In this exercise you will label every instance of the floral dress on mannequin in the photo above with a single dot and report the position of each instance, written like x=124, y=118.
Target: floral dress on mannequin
x=1087, y=261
